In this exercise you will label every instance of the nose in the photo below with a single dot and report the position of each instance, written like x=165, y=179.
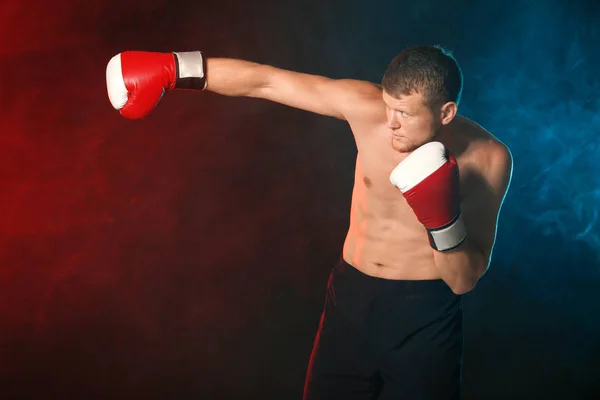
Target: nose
x=392, y=120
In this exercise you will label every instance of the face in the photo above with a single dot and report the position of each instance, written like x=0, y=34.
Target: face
x=411, y=122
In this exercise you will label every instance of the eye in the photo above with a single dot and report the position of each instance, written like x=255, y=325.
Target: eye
x=403, y=113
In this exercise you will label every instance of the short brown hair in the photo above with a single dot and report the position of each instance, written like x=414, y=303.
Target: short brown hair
x=431, y=70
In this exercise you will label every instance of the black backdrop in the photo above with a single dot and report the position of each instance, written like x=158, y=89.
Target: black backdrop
x=185, y=255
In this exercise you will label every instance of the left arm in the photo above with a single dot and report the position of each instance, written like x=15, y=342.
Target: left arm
x=462, y=267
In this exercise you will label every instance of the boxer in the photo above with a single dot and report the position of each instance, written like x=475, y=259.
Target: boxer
x=429, y=186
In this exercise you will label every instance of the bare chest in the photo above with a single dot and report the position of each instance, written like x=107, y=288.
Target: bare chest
x=377, y=196
x=385, y=238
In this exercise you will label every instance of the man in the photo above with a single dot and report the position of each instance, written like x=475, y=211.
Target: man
x=429, y=185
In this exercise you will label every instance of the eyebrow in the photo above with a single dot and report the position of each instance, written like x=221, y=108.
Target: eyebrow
x=395, y=107
x=404, y=108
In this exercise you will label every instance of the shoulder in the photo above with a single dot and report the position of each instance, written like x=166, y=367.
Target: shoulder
x=362, y=88
x=363, y=102
x=501, y=160
x=489, y=155
x=496, y=161
x=501, y=168
x=359, y=89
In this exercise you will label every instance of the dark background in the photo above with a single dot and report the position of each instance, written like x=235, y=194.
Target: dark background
x=185, y=255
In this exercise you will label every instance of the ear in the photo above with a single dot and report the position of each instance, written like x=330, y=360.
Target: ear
x=448, y=112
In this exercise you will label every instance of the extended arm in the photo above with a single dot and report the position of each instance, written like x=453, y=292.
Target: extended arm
x=137, y=80
x=338, y=98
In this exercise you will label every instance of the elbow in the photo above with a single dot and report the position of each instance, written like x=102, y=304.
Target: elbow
x=261, y=84
x=466, y=283
x=463, y=286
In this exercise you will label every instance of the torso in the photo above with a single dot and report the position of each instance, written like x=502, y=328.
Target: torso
x=385, y=239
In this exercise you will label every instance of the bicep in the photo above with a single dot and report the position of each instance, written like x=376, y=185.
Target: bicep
x=339, y=98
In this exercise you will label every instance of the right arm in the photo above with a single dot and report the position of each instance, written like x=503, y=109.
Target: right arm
x=344, y=99
x=136, y=81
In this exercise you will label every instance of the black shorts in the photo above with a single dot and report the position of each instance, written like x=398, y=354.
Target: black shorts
x=386, y=339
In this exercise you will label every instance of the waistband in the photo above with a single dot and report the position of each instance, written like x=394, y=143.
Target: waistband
x=344, y=268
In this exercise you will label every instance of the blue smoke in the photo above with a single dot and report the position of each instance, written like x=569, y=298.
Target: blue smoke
x=537, y=90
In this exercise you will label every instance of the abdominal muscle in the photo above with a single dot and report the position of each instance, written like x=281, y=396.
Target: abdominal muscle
x=384, y=238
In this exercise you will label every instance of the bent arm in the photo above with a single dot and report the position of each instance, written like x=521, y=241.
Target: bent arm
x=462, y=267
x=339, y=98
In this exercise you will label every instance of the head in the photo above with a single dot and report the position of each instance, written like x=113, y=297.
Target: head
x=422, y=87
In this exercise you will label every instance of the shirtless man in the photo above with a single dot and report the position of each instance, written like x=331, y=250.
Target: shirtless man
x=429, y=185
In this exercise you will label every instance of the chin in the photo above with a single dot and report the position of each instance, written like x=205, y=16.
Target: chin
x=403, y=146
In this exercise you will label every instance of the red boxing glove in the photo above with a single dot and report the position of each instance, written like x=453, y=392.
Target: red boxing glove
x=137, y=80
x=429, y=181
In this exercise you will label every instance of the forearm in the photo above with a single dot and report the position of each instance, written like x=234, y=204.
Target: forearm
x=462, y=267
x=232, y=77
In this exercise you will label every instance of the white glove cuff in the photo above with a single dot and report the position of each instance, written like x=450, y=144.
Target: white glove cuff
x=448, y=237
x=191, y=70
